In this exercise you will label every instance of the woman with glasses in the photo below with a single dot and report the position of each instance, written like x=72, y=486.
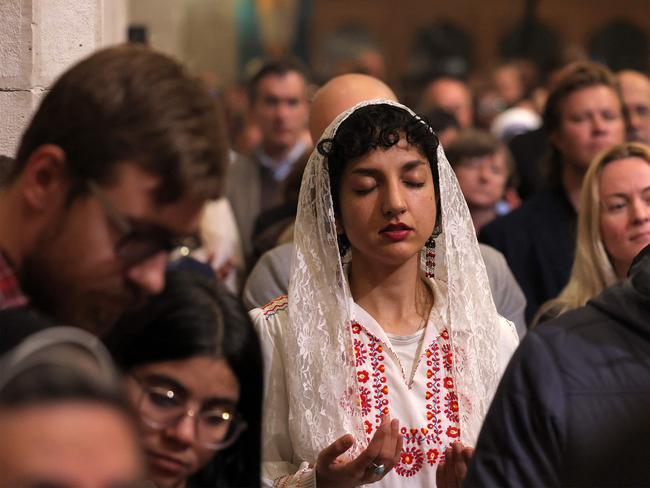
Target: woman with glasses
x=194, y=373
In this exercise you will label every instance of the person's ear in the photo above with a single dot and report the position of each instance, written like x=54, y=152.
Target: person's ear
x=43, y=179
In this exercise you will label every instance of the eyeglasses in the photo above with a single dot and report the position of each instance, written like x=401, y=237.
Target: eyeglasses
x=141, y=240
x=161, y=407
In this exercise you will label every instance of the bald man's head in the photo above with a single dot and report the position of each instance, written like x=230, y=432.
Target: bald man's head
x=451, y=95
x=635, y=88
x=341, y=93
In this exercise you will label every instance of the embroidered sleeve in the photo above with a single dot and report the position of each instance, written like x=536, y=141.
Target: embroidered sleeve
x=279, y=468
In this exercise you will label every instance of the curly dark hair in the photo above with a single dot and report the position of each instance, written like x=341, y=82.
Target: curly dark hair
x=372, y=127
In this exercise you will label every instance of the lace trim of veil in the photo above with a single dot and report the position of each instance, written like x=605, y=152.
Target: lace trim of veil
x=320, y=373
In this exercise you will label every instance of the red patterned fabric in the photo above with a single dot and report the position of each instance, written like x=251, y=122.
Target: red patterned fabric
x=424, y=441
x=275, y=305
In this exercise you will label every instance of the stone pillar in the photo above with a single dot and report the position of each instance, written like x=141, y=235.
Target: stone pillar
x=39, y=39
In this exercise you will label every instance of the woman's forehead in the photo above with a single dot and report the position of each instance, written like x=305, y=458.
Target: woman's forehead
x=404, y=156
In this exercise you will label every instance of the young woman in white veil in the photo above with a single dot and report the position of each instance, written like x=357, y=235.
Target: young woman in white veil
x=388, y=315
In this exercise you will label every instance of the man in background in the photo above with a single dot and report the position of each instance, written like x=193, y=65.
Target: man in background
x=635, y=88
x=452, y=95
x=278, y=93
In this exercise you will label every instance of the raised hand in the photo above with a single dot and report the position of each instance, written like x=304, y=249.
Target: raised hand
x=371, y=465
x=452, y=472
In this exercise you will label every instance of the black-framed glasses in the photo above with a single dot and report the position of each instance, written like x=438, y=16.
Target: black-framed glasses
x=142, y=240
x=161, y=407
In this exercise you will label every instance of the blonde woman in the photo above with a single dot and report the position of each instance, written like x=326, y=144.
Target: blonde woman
x=613, y=225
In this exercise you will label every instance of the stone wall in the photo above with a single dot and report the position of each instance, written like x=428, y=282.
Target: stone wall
x=39, y=39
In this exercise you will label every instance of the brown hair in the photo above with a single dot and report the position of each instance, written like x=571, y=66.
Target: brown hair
x=574, y=77
x=132, y=104
x=6, y=164
x=276, y=67
x=476, y=143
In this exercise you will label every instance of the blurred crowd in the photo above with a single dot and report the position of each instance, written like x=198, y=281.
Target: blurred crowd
x=509, y=147
x=147, y=210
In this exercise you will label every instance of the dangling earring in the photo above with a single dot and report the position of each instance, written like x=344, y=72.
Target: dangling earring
x=341, y=240
x=430, y=256
x=344, y=245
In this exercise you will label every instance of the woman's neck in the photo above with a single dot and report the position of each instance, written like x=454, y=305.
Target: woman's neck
x=621, y=269
x=396, y=297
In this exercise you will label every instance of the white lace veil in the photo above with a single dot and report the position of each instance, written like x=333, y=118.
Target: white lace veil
x=320, y=374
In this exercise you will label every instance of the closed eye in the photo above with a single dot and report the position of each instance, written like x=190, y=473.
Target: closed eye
x=364, y=191
x=415, y=184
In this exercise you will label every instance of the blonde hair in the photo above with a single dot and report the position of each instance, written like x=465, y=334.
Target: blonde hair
x=592, y=270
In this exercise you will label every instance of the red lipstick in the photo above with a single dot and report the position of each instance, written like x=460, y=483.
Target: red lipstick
x=396, y=232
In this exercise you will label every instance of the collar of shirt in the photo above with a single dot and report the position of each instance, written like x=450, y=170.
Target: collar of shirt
x=281, y=168
x=11, y=296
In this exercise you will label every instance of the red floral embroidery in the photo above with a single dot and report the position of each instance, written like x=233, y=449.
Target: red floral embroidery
x=360, y=353
x=446, y=356
x=356, y=328
x=423, y=446
x=451, y=406
x=362, y=376
x=364, y=400
x=432, y=456
x=433, y=391
x=410, y=461
x=378, y=379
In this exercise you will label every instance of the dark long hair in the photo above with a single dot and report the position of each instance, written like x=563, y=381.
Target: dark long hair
x=196, y=316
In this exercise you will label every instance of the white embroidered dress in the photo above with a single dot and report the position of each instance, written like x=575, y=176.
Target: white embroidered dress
x=331, y=369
